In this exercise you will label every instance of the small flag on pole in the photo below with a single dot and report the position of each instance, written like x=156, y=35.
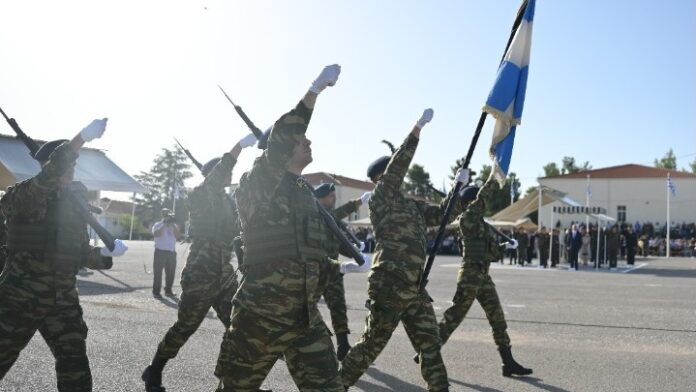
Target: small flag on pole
x=506, y=100
x=670, y=185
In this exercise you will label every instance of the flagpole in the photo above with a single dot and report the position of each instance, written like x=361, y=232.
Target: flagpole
x=587, y=203
x=551, y=227
x=669, y=226
x=130, y=233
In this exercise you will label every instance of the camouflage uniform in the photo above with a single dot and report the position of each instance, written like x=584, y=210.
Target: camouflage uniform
x=47, y=245
x=480, y=248
x=208, y=280
x=400, y=226
x=275, y=310
x=334, y=291
x=3, y=240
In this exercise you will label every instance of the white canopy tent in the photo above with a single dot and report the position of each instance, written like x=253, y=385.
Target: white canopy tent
x=94, y=169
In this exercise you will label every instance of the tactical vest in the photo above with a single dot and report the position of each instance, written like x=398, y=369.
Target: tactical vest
x=216, y=222
x=476, y=247
x=302, y=237
x=61, y=237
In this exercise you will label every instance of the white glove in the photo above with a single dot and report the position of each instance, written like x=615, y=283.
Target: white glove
x=119, y=249
x=462, y=176
x=327, y=77
x=94, y=130
x=351, y=267
x=514, y=244
x=365, y=198
x=425, y=118
x=247, y=141
x=362, y=246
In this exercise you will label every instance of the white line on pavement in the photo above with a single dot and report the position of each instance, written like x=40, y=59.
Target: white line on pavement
x=641, y=265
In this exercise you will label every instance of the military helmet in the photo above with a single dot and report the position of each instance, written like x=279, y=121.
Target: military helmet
x=468, y=194
x=208, y=167
x=324, y=189
x=43, y=153
x=377, y=167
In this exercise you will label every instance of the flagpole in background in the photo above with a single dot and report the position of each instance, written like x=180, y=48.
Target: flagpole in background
x=669, y=226
x=539, y=212
x=522, y=46
x=588, y=194
x=130, y=233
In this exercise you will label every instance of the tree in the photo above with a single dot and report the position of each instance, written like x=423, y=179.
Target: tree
x=169, y=170
x=669, y=161
x=551, y=170
x=418, y=183
x=693, y=166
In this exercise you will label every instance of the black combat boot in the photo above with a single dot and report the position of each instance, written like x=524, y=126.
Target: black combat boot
x=510, y=366
x=152, y=376
x=343, y=345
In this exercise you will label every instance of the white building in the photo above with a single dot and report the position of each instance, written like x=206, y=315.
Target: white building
x=629, y=193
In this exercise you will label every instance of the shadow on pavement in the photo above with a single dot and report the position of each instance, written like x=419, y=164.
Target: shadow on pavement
x=666, y=272
x=393, y=383
x=86, y=287
x=475, y=387
x=539, y=383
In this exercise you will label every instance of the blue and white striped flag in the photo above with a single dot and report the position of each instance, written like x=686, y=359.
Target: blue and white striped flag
x=506, y=100
x=670, y=185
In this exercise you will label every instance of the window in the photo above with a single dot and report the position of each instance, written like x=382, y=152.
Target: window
x=621, y=213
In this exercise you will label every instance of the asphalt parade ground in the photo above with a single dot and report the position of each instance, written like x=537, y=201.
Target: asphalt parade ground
x=628, y=330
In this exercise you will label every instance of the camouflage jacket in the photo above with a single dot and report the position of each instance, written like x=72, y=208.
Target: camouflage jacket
x=214, y=224
x=400, y=223
x=284, y=235
x=37, y=204
x=479, y=244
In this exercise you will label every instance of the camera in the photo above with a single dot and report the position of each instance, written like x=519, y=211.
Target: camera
x=169, y=219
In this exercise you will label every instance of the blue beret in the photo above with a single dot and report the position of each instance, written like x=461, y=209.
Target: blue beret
x=323, y=190
x=377, y=167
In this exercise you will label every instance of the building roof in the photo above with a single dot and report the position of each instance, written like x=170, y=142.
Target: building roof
x=323, y=177
x=116, y=207
x=630, y=170
x=94, y=168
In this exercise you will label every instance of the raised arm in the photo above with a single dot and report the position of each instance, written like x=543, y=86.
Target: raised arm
x=394, y=174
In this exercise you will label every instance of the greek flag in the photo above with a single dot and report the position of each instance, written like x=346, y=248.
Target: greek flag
x=670, y=185
x=506, y=100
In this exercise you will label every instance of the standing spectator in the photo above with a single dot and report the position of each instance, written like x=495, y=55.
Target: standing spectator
x=631, y=244
x=574, y=245
x=531, y=247
x=522, y=244
x=613, y=247
x=593, y=243
x=166, y=232
x=585, y=248
x=543, y=247
x=511, y=251
x=555, y=251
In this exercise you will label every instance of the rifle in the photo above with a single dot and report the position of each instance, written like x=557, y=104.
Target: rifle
x=467, y=160
x=78, y=202
x=188, y=154
x=254, y=129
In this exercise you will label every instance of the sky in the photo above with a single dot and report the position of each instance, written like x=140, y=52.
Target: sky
x=610, y=82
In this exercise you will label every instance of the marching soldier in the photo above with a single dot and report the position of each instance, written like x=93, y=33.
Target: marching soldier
x=480, y=248
x=208, y=280
x=393, y=285
x=275, y=310
x=335, y=293
x=47, y=244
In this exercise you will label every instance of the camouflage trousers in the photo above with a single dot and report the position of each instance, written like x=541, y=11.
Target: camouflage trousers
x=335, y=297
x=474, y=283
x=253, y=344
x=394, y=300
x=200, y=291
x=28, y=305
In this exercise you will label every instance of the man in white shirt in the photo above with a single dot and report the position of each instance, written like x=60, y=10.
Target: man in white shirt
x=166, y=233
